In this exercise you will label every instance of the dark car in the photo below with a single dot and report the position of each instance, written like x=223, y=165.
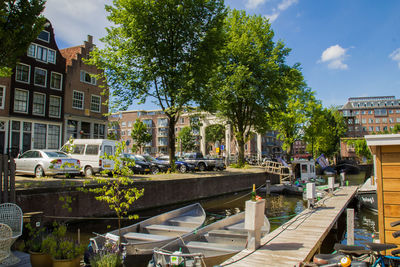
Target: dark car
x=140, y=166
x=155, y=164
x=181, y=165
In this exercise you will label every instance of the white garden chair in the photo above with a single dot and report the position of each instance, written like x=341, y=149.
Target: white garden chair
x=5, y=240
x=11, y=215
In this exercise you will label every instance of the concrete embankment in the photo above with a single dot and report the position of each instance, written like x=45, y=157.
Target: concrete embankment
x=157, y=193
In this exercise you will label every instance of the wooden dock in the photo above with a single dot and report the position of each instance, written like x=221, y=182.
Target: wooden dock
x=300, y=238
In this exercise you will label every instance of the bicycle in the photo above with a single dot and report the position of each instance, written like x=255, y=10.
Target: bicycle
x=344, y=256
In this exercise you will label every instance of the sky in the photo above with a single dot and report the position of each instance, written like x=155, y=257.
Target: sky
x=347, y=48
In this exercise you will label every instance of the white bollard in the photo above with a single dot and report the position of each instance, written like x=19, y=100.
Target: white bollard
x=342, y=178
x=254, y=220
x=331, y=184
x=350, y=226
x=311, y=194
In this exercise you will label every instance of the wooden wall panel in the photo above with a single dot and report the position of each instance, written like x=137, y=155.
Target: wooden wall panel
x=391, y=197
x=391, y=239
x=391, y=210
x=390, y=171
x=391, y=184
x=391, y=159
x=390, y=149
x=388, y=220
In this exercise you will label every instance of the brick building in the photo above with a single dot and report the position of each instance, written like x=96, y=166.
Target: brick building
x=83, y=108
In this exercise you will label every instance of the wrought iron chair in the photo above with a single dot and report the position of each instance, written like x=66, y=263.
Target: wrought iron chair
x=5, y=240
x=12, y=216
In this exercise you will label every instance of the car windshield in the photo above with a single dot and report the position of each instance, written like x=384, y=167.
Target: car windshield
x=139, y=157
x=128, y=156
x=149, y=158
x=56, y=154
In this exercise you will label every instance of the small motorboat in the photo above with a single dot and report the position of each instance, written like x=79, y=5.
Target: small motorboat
x=208, y=246
x=141, y=238
x=366, y=195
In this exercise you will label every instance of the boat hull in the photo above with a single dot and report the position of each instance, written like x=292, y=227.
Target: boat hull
x=368, y=199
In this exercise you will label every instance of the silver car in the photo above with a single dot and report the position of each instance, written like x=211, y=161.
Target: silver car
x=46, y=162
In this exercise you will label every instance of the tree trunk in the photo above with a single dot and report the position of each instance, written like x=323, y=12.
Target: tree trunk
x=171, y=141
x=241, y=152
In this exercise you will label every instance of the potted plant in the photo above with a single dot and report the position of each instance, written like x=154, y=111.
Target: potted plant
x=65, y=252
x=38, y=255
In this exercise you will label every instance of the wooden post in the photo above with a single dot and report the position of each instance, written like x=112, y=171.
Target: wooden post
x=12, y=180
x=4, y=162
x=350, y=227
x=267, y=188
x=342, y=178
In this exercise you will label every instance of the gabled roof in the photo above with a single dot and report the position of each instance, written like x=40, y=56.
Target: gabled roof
x=71, y=53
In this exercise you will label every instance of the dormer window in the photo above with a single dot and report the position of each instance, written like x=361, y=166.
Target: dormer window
x=44, y=36
x=87, y=78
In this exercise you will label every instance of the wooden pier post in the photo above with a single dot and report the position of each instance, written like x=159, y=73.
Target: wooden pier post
x=267, y=188
x=310, y=195
x=331, y=184
x=350, y=226
x=342, y=178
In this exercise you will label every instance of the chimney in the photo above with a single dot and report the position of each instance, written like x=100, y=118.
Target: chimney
x=90, y=39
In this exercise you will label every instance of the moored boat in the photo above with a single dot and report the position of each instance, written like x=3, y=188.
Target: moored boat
x=366, y=195
x=141, y=238
x=208, y=246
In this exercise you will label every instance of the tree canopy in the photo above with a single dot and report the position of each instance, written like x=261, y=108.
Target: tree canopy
x=140, y=135
x=186, y=139
x=162, y=50
x=248, y=81
x=20, y=24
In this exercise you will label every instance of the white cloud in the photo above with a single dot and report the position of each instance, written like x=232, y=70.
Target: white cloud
x=282, y=6
x=73, y=20
x=285, y=4
x=395, y=55
x=334, y=57
x=252, y=4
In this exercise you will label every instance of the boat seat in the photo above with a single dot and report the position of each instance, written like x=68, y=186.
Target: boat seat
x=227, y=234
x=239, y=227
x=169, y=230
x=186, y=221
x=145, y=237
x=213, y=246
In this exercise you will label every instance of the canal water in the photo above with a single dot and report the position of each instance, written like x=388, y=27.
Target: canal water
x=279, y=209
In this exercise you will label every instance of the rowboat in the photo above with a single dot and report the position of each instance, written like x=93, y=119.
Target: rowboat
x=208, y=246
x=141, y=238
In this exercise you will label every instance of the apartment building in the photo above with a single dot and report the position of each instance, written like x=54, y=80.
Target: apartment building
x=157, y=123
x=83, y=109
x=368, y=115
x=32, y=98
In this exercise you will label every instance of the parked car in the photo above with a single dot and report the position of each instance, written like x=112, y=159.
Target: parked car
x=157, y=165
x=46, y=162
x=140, y=166
x=90, y=152
x=203, y=163
x=181, y=165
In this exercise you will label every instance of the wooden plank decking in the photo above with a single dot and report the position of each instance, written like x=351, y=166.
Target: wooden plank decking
x=297, y=240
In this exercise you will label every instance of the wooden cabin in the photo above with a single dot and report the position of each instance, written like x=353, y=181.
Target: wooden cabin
x=386, y=151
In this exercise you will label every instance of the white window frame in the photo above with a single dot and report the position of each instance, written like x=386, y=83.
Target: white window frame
x=41, y=58
x=44, y=104
x=93, y=80
x=83, y=99
x=34, y=78
x=55, y=56
x=47, y=41
x=2, y=102
x=61, y=82
x=29, y=74
x=34, y=50
x=91, y=102
x=59, y=107
x=27, y=101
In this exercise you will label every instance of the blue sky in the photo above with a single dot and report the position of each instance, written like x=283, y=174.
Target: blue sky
x=347, y=48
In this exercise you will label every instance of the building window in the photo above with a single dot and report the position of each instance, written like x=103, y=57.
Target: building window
x=123, y=124
x=378, y=129
x=371, y=128
x=55, y=106
x=95, y=103
x=397, y=111
x=356, y=121
x=384, y=120
x=397, y=119
x=391, y=110
x=53, y=137
x=350, y=121
x=22, y=73
x=385, y=128
x=99, y=131
x=2, y=96
x=87, y=78
x=390, y=120
x=21, y=101
x=77, y=100
x=377, y=120
x=56, y=81
x=39, y=136
x=51, y=58
x=129, y=124
x=41, y=53
x=364, y=121
x=39, y=101
x=72, y=129
x=44, y=36
x=40, y=78
x=32, y=50
x=370, y=112
x=371, y=120
x=122, y=133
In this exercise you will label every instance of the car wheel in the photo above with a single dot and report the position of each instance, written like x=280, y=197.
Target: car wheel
x=182, y=169
x=155, y=170
x=88, y=171
x=202, y=166
x=39, y=172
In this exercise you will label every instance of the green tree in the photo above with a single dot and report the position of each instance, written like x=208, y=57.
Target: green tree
x=117, y=192
x=247, y=82
x=140, y=135
x=20, y=24
x=396, y=129
x=360, y=147
x=215, y=134
x=162, y=50
x=186, y=139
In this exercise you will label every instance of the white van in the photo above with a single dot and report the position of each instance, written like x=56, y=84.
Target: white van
x=90, y=152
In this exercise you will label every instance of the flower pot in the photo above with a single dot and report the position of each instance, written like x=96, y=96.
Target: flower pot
x=67, y=263
x=40, y=259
